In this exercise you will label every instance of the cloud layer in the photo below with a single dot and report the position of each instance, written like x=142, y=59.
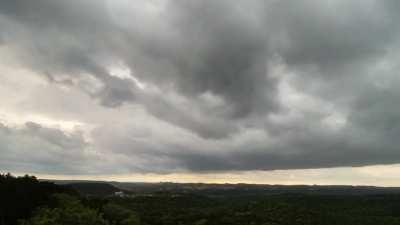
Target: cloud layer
x=166, y=86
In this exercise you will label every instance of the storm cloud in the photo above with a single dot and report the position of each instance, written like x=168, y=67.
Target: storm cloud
x=167, y=86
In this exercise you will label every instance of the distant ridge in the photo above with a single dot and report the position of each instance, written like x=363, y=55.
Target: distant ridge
x=110, y=187
x=93, y=188
x=252, y=189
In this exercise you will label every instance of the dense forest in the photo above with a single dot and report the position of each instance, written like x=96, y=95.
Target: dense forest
x=19, y=196
x=27, y=201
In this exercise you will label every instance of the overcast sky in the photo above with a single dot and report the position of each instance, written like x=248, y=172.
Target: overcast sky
x=171, y=89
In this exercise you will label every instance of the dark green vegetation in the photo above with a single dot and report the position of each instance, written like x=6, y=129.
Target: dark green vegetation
x=278, y=209
x=67, y=210
x=19, y=196
x=27, y=201
x=195, y=204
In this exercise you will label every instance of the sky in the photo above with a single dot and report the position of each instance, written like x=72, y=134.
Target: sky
x=256, y=91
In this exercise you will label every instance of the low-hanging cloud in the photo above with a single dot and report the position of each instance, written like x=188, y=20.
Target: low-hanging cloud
x=35, y=148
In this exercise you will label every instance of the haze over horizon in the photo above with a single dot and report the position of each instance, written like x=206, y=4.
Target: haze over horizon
x=303, y=92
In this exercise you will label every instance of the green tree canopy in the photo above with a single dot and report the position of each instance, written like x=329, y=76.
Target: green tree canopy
x=119, y=215
x=70, y=211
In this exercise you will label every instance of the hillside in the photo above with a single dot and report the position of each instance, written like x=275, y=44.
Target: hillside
x=94, y=188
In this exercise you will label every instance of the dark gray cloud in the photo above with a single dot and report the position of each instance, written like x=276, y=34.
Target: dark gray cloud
x=222, y=85
x=225, y=52
x=332, y=34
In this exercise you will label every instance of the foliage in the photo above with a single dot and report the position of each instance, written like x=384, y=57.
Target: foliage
x=23, y=194
x=260, y=209
x=70, y=211
x=119, y=215
x=19, y=196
